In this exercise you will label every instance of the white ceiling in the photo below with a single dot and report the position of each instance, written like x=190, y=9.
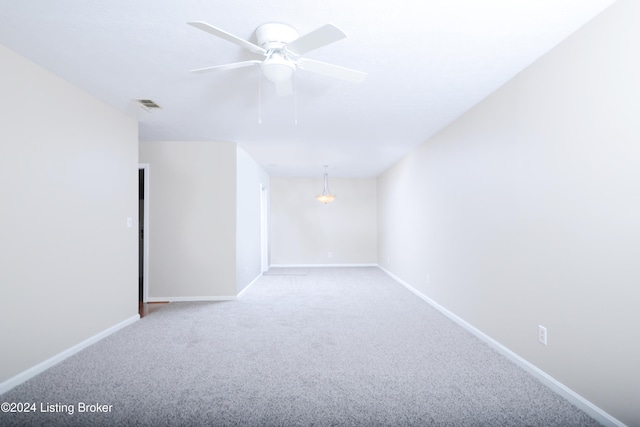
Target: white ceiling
x=428, y=62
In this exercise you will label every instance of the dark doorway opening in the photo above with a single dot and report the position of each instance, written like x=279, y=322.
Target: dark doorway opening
x=140, y=235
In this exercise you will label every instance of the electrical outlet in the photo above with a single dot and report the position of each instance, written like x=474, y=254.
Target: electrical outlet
x=542, y=335
x=330, y=254
x=428, y=279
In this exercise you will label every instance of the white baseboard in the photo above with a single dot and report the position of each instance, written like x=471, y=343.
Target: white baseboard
x=320, y=265
x=595, y=412
x=190, y=299
x=246, y=288
x=43, y=366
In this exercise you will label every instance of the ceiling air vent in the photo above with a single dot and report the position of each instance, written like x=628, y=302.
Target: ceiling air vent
x=147, y=103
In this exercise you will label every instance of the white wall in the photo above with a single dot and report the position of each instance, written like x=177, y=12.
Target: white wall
x=526, y=211
x=304, y=231
x=192, y=219
x=68, y=180
x=250, y=178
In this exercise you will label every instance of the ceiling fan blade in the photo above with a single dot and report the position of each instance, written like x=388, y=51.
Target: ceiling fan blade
x=331, y=70
x=227, y=36
x=315, y=39
x=227, y=66
x=284, y=88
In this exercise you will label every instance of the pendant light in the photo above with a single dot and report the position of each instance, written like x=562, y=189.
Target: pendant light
x=326, y=196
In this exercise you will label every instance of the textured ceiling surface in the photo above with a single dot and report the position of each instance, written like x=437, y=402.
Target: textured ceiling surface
x=427, y=62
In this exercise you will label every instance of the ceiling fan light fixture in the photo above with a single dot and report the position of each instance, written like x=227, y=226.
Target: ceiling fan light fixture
x=278, y=68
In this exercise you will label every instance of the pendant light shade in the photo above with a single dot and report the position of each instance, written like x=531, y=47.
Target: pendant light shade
x=326, y=196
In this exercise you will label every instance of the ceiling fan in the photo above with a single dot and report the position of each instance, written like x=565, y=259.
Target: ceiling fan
x=282, y=48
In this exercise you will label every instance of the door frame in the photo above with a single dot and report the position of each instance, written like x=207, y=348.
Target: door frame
x=145, y=238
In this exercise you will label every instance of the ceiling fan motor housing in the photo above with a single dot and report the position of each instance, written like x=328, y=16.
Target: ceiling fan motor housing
x=274, y=35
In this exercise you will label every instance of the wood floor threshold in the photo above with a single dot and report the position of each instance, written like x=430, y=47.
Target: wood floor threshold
x=146, y=308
